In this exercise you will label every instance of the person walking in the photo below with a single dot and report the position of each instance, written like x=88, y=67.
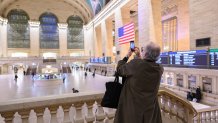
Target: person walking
x=138, y=101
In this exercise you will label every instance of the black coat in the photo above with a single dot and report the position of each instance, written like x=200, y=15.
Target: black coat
x=138, y=100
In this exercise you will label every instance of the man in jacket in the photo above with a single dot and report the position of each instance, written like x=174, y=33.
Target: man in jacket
x=138, y=100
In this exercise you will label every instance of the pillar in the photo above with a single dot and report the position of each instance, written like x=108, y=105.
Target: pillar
x=63, y=39
x=34, y=38
x=3, y=37
x=122, y=17
x=89, y=40
x=107, y=37
x=149, y=21
x=98, y=41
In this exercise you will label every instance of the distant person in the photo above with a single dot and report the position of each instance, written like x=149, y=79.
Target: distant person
x=24, y=72
x=16, y=77
x=93, y=75
x=198, y=94
x=85, y=74
x=105, y=73
x=189, y=96
x=64, y=78
x=89, y=69
x=138, y=101
x=33, y=74
x=102, y=71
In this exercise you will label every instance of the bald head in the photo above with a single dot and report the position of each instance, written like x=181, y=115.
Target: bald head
x=152, y=51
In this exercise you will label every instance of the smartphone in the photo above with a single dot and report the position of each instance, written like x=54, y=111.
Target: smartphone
x=132, y=45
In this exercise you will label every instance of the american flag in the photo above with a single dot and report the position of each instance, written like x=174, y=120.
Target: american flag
x=126, y=33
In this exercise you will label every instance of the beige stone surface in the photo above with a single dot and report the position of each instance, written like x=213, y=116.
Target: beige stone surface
x=203, y=22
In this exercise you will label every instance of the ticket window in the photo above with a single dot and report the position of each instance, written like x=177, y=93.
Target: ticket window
x=169, y=79
x=192, y=82
x=207, y=84
x=179, y=80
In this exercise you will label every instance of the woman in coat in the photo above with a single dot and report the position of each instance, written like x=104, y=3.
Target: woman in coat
x=138, y=100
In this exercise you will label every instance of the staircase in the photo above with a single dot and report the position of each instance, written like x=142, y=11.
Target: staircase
x=30, y=70
x=66, y=69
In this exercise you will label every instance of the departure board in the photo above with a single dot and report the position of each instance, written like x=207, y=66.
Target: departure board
x=195, y=58
x=164, y=58
x=213, y=58
x=189, y=58
x=176, y=58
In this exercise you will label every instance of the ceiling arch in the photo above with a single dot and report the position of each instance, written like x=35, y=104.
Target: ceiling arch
x=76, y=7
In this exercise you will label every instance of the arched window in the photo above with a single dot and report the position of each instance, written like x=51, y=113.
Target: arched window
x=49, y=36
x=18, y=34
x=75, y=35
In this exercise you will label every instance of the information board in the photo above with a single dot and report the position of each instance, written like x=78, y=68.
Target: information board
x=189, y=58
x=213, y=58
x=164, y=58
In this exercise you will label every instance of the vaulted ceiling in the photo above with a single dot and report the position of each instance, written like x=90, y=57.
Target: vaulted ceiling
x=62, y=8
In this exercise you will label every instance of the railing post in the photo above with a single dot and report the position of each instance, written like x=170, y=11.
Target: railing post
x=17, y=118
x=32, y=117
x=47, y=116
x=60, y=115
x=2, y=120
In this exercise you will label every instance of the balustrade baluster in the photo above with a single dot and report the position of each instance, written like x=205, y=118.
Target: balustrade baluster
x=208, y=116
x=213, y=117
x=60, y=115
x=100, y=114
x=17, y=118
x=195, y=119
x=2, y=120
x=110, y=114
x=203, y=117
x=72, y=113
x=47, y=116
x=216, y=115
x=78, y=118
x=88, y=114
x=32, y=117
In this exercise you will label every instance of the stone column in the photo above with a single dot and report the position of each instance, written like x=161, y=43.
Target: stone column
x=63, y=39
x=149, y=21
x=122, y=17
x=98, y=41
x=107, y=37
x=89, y=45
x=3, y=37
x=1, y=51
x=34, y=38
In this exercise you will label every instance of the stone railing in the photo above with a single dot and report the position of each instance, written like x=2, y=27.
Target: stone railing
x=207, y=115
x=175, y=109
x=85, y=108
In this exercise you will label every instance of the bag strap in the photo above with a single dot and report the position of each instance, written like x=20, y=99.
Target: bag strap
x=116, y=77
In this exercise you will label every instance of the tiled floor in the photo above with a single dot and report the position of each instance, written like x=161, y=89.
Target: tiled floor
x=26, y=88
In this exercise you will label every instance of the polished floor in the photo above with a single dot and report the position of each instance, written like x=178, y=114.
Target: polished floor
x=25, y=87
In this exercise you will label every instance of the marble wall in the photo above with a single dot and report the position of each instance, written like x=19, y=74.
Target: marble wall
x=203, y=22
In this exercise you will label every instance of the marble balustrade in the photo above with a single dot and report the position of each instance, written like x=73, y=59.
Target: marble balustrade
x=85, y=108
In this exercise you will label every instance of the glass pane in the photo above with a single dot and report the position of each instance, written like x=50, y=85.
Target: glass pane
x=49, y=34
x=75, y=35
x=18, y=33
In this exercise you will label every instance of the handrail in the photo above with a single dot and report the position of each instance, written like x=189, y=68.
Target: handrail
x=171, y=94
x=214, y=108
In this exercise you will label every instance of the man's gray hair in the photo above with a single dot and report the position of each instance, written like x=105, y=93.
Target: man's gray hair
x=152, y=51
